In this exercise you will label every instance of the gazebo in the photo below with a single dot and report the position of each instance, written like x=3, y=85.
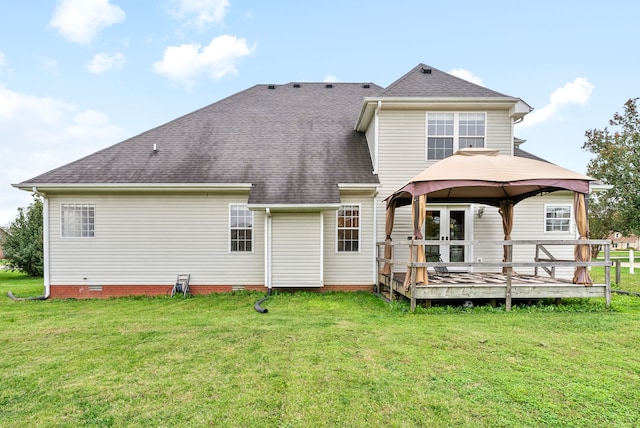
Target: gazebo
x=478, y=175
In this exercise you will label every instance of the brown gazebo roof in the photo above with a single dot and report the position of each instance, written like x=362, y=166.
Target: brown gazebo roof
x=484, y=176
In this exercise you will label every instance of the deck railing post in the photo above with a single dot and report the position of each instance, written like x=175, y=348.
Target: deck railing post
x=631, y=267
x=509, y=274
x=607, y=274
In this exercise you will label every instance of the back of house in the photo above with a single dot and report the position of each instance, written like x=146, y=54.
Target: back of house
x=279, y=186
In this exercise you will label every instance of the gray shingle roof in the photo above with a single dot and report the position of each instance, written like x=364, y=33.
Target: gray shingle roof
x=424, y=81
x=294, y=143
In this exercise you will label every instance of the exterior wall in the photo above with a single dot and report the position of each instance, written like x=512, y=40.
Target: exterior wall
x=142, y=242
x=350, y=268
x=147, y=239
x=296, y=249
x=528, y=224
x=402, y=153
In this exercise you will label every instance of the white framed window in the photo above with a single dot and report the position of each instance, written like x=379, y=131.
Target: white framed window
x=557, y=218
x=240, y=228
x=77, y=220
x=348, y=228
x=448, y=132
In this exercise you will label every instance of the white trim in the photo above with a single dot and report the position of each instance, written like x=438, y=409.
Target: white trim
x=292, y=207
x=46, y=242
x=376, y=130
x=375, y=242
x=253, y=230
x=359, y=229
x=135, y=186
x=267, y=248
x=321, y=249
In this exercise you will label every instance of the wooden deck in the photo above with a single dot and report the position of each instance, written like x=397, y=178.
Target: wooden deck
x=490, y=286
x=494, y=286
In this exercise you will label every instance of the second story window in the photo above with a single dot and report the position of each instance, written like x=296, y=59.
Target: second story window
x=448, y=132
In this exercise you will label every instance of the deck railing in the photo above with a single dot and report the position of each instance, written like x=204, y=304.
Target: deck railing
x=549, y=264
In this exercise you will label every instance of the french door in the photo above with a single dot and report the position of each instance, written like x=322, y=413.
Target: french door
x=447, y=223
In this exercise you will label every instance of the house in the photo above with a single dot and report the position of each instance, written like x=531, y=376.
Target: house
x=278, y=186
x=622, y=242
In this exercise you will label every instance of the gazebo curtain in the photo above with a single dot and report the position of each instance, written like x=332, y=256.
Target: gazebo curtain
x=582, y=252
x=388, y=229
x=506, y=212
x=418, y=213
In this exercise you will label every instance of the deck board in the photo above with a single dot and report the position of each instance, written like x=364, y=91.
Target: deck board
x=480, y=285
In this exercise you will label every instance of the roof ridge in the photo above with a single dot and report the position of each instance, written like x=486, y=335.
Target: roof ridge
x=408, y=85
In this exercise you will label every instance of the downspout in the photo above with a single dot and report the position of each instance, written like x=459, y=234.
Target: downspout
x=376, y=128
x=45, y=244
x=375, y=240
x=45, y=248
x=322, y=248
x=267, y=261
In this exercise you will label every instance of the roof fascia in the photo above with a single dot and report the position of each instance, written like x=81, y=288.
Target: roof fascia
x=52, y=187
x=430, y=103
x=293, y=207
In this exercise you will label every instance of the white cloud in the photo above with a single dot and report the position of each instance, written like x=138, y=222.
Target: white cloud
x=576, y=92
x=80, y=20
x=183, y=64
x=200, y=13
x=329, y=78
x=103, y=62
x=466, y=75
x=38, y=134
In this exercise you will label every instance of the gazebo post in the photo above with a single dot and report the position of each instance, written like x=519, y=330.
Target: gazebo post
x=413, y=279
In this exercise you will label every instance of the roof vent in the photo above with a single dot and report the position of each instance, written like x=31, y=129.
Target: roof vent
x=329, y=85
x=425, y=70
x=296, y=85
x=271, y=86
x=366, y=86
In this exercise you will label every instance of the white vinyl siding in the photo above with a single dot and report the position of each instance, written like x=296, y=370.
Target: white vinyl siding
x=401, y=151
x=146, y=239
x=295, y=249
x=350, y=268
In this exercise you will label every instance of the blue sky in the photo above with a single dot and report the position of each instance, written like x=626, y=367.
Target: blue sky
x=79, y=75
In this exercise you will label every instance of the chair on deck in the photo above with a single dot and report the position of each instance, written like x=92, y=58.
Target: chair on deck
x=440, y=270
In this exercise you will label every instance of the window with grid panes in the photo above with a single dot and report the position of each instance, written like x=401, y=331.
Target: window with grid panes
x=77, y=220
x=241, y=228
x=349, y=228
x=448, y=132
x=557, y=218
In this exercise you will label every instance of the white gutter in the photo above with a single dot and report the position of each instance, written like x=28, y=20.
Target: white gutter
x=375, y=241
x=376, y=127
x=135, y=186
x=45, y=244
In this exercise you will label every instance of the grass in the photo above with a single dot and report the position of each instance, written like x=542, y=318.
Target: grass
x=321, y=360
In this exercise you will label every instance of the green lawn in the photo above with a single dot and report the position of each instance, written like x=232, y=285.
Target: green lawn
x=315, y=360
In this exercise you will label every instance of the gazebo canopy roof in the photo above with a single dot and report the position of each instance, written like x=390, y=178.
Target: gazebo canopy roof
x=484, y=176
